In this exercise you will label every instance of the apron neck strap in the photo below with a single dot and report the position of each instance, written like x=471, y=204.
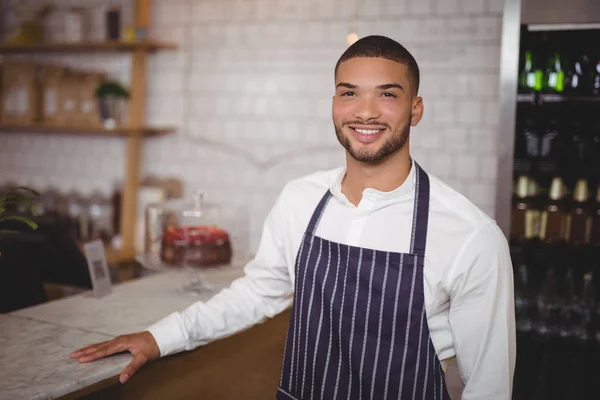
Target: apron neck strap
x=420, y=212
x=316, y=216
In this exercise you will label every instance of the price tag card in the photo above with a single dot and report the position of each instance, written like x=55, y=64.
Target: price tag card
x=98, y=268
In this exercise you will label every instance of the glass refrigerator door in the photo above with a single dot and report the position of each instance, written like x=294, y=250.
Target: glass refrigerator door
x=553, y=213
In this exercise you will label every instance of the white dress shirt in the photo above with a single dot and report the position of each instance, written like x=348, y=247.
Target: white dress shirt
x=467, y=274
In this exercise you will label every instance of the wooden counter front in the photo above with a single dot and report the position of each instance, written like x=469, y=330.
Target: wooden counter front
x=243, y=366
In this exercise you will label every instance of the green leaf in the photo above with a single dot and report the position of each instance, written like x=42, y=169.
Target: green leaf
x=27, y=221
x=18, y=198
x=111, y=88
x=13, y=196
x=29, y=190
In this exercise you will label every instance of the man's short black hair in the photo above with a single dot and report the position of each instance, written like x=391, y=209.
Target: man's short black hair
x=382, y=47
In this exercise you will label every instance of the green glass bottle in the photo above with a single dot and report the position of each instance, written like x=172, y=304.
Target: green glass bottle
x=554, y=77
x=531, y=77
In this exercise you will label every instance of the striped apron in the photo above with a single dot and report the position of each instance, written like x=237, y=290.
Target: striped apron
x=358, y=328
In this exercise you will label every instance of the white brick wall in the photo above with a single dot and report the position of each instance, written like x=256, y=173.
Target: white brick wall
x=250, y=89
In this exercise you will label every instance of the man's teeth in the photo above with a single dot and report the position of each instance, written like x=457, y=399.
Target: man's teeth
x=368, y=131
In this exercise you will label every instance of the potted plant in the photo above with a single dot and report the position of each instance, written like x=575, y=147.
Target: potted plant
x=112, y=101
x=21, y=264
x=16, y=207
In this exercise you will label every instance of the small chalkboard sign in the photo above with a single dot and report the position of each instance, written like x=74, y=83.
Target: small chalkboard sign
x=98, y=268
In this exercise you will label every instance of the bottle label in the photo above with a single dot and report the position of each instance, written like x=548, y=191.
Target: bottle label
x=531, y=80
x=553, y=225
x=534, y=80
x=547, y=144
x=532, y=224
x=588, y=230
x=560, y=81
x=532, y=144
x=578, y=228
x=539, y=78
x=556, y=81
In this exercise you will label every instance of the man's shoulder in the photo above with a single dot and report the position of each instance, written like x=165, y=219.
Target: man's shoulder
x=312, y=185
x=447, y=200
x=299, y=197
x=459, y=224
x=457, y=220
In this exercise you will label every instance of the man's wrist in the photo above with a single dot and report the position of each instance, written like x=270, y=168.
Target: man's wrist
x=168, y=335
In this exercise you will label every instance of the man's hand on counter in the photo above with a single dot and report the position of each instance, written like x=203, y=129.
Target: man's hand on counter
x=142, y=347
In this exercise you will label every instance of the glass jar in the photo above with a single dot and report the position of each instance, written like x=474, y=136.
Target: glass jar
x=100, y=210
x=193, y=233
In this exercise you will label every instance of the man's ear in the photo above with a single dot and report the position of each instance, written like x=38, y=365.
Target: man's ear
x=417, y=111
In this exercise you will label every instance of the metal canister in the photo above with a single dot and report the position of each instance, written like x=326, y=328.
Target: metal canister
x=155, y=225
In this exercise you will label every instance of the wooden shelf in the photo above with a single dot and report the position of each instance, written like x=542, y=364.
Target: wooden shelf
x=541, y=98
x=561, y=98
x=140, y=52
x=526, y=98
x=82, y=130
x=87, y=47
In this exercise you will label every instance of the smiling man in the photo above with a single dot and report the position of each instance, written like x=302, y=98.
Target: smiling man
x=401, y=288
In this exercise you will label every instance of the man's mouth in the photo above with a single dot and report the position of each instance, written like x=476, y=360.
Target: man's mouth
x=368, y=131
x=366, y=135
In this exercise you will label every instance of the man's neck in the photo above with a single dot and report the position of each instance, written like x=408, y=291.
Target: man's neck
x=384, y=177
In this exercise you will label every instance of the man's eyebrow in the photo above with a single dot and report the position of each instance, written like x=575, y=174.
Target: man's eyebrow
x=346, y=85
x=381, y=87
x=390, y=86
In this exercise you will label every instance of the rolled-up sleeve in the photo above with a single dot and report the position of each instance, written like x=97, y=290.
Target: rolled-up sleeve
x=264, y=291
x=482, y=317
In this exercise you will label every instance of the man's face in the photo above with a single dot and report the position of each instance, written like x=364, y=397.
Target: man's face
x=374, y=107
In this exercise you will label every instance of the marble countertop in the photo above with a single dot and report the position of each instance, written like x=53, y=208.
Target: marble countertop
x=35, y=342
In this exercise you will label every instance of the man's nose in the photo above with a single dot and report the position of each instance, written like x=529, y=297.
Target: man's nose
x=367, y=109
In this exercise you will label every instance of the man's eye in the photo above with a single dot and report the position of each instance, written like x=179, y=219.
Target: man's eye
x=347, y=94
x=387, y=94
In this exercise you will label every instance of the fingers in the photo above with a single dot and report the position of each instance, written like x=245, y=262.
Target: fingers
x=77, y=353
x=101, y=350
x=107, y=350
x=133, y=366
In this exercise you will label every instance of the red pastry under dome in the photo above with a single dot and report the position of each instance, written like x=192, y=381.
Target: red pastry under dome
x=195, y=246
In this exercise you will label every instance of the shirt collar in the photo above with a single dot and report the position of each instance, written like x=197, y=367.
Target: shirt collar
x=402, y=190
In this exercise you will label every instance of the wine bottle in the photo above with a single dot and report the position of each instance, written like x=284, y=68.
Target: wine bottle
x=579, y=219
x=578, y=79
x=573, y=78
x=550, y=150
x=554, y=76
x=527, y=141
x=532, y=140
x=531, y=77
x=595, y=84
x=525, y=213
x=595, y=235
x=594, y=151
x=553, y=224
x=587, y=303
x=524, y=298
x=580, y=147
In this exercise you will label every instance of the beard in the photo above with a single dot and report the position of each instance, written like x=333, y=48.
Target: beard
x=392, y=145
